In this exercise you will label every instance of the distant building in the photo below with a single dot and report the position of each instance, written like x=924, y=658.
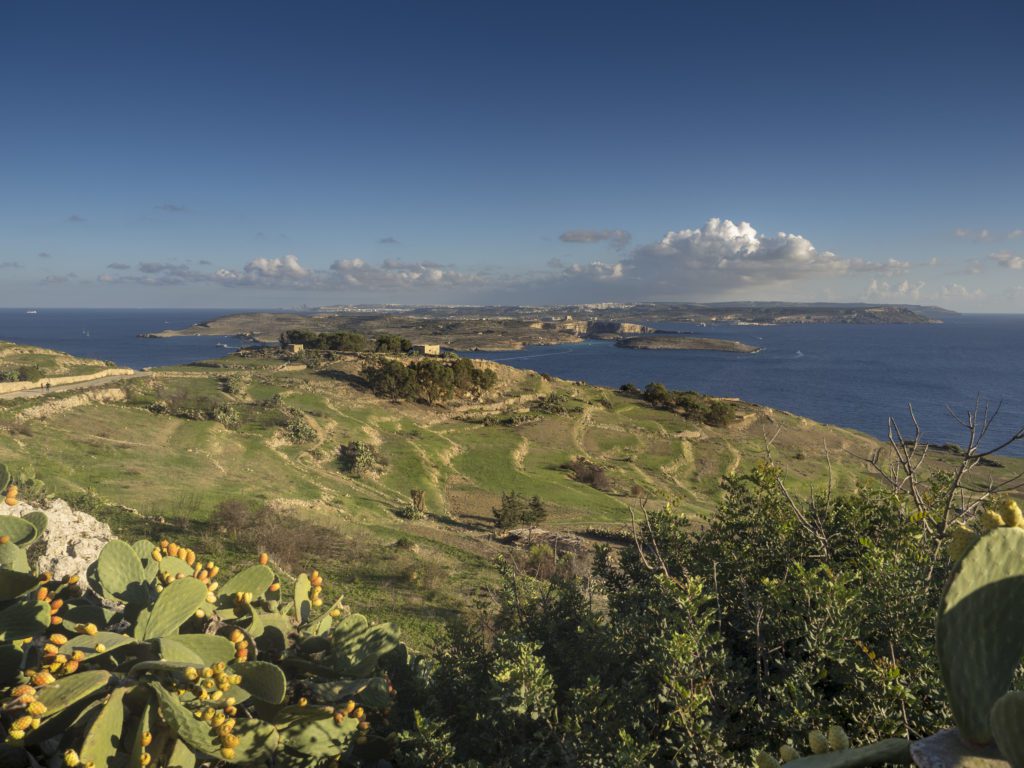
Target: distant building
x=434, y=350
x=293, y=348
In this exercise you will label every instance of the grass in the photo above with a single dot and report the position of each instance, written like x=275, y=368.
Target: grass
x=179, y=470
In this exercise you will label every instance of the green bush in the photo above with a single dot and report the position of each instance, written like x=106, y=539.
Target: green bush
x=517, y=510
x=704, y=643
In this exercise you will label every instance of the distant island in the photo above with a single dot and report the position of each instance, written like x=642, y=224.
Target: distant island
x=682, y=341
x=500, y=328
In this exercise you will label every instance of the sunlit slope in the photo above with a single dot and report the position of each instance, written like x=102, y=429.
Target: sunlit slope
x=135, y=453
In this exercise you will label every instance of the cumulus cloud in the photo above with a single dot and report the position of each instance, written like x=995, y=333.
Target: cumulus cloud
x=902, y=291
x=960, y=292
x=722, y=258
x=617, y=237
x=1008, y=260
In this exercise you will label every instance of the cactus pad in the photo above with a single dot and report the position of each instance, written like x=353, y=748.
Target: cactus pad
x=888, y=751
x=980, y=634
x=177, y=603
x=1007, y=719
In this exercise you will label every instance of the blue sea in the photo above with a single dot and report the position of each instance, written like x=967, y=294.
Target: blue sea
x=850, y=375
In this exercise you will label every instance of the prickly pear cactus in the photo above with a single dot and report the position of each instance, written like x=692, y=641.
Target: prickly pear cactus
x=167, y=666
x=981, y=629
x=1007, y=718
x=886, y=752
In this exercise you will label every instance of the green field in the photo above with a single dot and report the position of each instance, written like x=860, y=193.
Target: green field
x=142, y=453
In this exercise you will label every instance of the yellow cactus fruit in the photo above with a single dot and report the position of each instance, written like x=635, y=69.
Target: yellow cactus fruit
x=14, y=733
x=837, y=738
x=42, y=678
x=990, y=520
x=147, y=738
x=71, y=759
x=23, y=723
x=1010, y=512
x=228, y=753
x=173, y=549
x=145, y=759
x=817, y=741
x=58, y=639
x=264, y=558
x=276, y=586
x=36, y=709
x=100, y=648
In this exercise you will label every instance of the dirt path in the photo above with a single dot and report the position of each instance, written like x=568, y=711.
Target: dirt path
x=39, y=392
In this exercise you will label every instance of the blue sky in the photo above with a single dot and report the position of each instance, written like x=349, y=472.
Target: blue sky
x=271, y=154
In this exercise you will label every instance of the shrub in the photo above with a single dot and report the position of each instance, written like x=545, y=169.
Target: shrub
x=518, y=510
x=360, y=459
x=588, y=472
x=392, y=344
x=180, y=664
x=299, y=430
x=774, y=616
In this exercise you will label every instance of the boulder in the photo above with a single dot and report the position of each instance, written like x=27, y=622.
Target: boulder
x=72, y=539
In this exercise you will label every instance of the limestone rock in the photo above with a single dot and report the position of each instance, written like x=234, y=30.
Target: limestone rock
x=72, y=539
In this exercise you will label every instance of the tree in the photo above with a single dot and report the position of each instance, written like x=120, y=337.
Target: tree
x=518, y=510
x=392, y=344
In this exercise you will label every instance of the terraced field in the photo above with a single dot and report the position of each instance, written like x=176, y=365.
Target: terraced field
x=151, y=450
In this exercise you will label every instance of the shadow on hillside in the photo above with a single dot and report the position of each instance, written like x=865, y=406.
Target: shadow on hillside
x=351, y=379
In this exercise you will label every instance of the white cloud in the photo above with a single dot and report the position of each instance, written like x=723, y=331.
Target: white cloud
x=1008, y=260
x=899, y=292
x=287, y=268
x=959, y=292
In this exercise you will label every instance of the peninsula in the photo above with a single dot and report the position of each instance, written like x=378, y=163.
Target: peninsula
x=682, y=341
x=497, y=328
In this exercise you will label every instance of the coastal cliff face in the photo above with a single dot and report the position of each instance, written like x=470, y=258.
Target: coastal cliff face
x=606, y=327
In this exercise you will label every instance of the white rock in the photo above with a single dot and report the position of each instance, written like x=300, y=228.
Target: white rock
x=72, y=539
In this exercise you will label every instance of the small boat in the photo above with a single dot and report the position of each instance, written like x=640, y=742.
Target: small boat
x=31, y=312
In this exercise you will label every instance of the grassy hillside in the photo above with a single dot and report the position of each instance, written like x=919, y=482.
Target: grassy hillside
x=18, y=361
x=274, y=439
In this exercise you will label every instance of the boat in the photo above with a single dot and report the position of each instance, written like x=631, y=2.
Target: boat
x=32, y=312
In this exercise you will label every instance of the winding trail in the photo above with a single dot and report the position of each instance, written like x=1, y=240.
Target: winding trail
x=40, y=392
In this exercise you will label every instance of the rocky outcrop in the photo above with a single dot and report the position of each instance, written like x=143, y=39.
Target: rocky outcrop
x=72, y=539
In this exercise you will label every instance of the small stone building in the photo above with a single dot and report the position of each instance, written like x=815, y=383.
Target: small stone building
x=433, y=350
x=293, y=349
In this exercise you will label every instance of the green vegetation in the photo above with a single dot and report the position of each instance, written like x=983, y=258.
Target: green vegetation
x=516, y=510
x=429, y=381
x=23, y=363
x=337, y=342
x=699, y=592
x=166, y=661
x=708, y=410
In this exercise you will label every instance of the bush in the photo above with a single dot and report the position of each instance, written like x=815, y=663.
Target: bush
x=299, y=430
x=340, y=341
x=711, y=641
x=516, y=510
x=432, y=381
x=693, y=405
x=393, y=344
x=585, y=471
x=360, y=459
